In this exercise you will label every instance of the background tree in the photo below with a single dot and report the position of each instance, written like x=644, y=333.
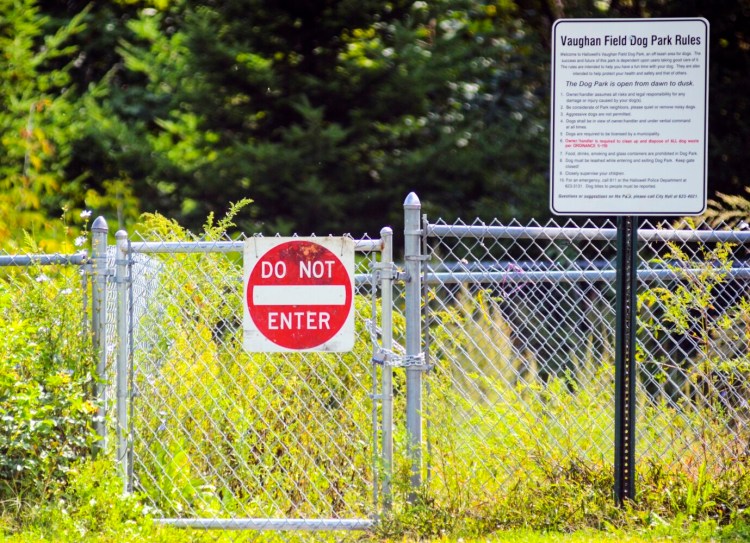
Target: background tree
x=325, y=113
x=36, y=117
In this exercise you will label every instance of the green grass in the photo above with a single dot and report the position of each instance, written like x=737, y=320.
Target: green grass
x=697, y=533
x=149, y=533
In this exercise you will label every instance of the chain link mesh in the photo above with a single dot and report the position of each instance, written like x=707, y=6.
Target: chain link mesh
x=219, y=432
x=693, y=351
x=520, y=330
x=49, y=292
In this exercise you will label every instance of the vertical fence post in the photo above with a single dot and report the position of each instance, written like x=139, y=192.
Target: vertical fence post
x=99, y=232
x=625, y=375
x=121, y=279
x=386, y=322
x=413, y=314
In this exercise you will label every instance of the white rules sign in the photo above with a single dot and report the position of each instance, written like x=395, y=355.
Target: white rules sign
x=629, y=123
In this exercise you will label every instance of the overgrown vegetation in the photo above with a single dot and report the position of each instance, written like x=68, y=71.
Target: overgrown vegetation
x=511, y=446
x=46, y=380
x=118, y=104
x=222, y=432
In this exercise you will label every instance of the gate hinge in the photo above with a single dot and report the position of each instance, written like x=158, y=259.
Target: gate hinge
x=388, y=270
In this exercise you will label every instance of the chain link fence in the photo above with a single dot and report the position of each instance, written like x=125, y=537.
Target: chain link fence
x=519, y=327
x=510, y=335
x=223, y=437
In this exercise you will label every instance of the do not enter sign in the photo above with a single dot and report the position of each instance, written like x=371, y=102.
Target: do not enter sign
x=299, y=294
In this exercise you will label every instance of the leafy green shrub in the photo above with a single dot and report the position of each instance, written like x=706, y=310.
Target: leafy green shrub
x=46, y=369
x=92, y=501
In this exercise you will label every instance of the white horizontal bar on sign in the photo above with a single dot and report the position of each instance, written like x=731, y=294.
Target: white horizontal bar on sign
x=299, y=295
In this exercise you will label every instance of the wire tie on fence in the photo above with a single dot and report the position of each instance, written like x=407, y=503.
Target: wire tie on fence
x=345, y=236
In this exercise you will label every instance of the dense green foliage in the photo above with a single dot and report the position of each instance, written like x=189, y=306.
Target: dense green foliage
x=46, y=413
x=326, y=114
x=35, y=118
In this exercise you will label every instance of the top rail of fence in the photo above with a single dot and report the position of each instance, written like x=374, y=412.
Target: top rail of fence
x=76, y=259
x=166, y=247
x=583, y=234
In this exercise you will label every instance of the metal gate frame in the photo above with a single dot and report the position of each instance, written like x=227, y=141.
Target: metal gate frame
x=381, y=277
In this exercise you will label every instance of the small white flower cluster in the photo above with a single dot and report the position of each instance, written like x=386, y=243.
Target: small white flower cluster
x=80, y=241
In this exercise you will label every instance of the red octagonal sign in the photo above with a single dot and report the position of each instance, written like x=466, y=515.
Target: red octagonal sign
x=298, y=294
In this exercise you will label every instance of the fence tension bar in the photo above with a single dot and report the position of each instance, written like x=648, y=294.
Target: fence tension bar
x=625, y=376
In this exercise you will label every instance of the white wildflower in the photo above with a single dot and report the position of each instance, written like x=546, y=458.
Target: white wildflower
x=86, y=213
x=42, y=278
x=79, y=241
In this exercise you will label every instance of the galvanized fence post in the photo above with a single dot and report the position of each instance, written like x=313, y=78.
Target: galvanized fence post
x=386, y=318
x=99, y=231
x=413, y=314
x=121, y=280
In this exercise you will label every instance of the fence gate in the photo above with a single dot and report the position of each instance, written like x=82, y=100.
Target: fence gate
x=223, y=438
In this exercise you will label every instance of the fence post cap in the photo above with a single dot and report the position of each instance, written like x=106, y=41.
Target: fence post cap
x=412, y=201
x=100, y=225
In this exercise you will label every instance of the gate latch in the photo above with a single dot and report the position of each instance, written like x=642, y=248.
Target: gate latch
x=387, y=358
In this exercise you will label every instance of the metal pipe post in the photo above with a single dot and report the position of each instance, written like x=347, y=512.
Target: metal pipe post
x=413, y=314
x=121, y=279
x=99, y=231
x=386, y=321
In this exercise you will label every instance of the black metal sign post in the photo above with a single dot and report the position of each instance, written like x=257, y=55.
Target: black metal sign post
x=625, y=374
